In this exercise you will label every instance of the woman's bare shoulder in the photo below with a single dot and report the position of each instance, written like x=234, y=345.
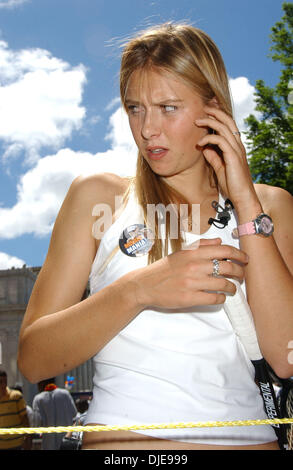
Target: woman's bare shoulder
x=278, y=203
x=98, y=188
x=72, y=246
x=274, y=200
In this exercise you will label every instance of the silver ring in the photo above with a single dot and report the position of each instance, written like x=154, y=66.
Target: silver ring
x=236, y=133
x=216, y=268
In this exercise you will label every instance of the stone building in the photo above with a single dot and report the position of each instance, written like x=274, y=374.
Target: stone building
x=15, y=289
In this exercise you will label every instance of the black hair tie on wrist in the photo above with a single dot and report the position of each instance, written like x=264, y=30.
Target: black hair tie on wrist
x=223, y=214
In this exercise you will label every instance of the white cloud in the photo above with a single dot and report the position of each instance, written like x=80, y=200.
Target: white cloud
x=113, y=103
x=244, y=101
x=120, y=133
x=12, y=3
x=7, y=261
x=42, y=189
x=40, y=100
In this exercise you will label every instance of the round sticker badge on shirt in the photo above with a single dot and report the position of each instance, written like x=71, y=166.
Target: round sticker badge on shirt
x=136, y=240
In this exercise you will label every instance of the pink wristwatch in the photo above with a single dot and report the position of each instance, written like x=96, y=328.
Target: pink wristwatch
x=262, y=225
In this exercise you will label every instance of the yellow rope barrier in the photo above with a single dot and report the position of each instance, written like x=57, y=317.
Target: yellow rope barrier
x=139, y=427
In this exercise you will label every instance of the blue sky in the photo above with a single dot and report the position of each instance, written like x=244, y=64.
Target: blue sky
x=59, y=107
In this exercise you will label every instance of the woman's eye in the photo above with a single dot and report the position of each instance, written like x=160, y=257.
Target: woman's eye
x=133, y=109
x=168, y=108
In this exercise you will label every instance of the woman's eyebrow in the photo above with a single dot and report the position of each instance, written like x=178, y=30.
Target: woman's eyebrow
x=169, y=100
x=159, y=103
x=131, y=101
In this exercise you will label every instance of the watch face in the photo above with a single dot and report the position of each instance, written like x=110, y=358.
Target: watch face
x=266, y=225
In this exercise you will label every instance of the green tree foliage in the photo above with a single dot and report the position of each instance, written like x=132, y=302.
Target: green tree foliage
x=270, y=139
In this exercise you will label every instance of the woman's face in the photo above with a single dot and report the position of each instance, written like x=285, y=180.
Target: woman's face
x=162, y=110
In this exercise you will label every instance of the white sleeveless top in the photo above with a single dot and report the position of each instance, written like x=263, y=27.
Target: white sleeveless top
x=173, y=366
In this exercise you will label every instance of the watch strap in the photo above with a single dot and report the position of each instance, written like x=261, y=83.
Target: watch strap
x=246, y=229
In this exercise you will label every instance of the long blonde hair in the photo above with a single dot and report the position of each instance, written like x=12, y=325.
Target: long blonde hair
x=190, y=54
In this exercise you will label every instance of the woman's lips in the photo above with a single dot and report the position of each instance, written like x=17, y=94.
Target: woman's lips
x=156, y=153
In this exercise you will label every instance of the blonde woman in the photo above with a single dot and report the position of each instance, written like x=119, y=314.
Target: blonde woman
x=155, y=322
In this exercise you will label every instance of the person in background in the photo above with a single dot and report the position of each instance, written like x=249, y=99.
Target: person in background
x=13, y=414
x=53, y=406
x=73, y=440
x=82, y=407
x=29, y=410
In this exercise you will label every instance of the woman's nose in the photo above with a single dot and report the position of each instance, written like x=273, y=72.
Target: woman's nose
x=151, y=125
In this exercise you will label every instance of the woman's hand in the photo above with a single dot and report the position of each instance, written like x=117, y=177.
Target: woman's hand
x=232, y=169
x=184, y=279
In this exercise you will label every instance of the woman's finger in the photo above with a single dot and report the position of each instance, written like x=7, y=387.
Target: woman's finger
x=221, y=129
x=226, y=147
x=221, y=252
x=228, y=121
x=214, y=284
x=222, y=117
x=225, y=268
x=202, y=242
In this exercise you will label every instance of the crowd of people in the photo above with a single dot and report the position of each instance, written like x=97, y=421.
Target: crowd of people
x=52, y=406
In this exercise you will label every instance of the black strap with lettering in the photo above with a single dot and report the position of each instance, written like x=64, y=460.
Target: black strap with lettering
x=271, y=406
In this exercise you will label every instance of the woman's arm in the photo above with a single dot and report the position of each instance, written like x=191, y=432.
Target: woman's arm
x=269, y=276
x=58, y=331
x=269, y=271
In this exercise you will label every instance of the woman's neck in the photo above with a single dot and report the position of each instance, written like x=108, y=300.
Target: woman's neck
x=195, y=188
x=199, y=193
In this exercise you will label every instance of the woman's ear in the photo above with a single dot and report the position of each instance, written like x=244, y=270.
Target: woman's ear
x=214, y=102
